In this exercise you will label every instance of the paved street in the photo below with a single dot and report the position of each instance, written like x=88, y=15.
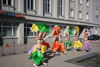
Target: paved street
x=21, y=59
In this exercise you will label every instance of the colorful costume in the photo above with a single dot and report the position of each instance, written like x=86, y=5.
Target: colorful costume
x=77, y=44
x=77, y=29
x=66, y=44
x=34, y=28
x=58, y=46
x=56, y=32
x=37, y=57
x=90, y=32
x=46, y=44
x=70, y=31
x=43, y=27
x=87, y=47
x=31, y=50
x=34, y=49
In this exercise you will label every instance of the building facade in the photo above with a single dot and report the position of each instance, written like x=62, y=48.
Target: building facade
x=17, y=16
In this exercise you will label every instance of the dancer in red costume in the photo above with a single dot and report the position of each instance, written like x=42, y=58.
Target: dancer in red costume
x=58, y=45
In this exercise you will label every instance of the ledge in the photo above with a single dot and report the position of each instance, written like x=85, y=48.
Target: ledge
x=10, y=37
x=8, y=5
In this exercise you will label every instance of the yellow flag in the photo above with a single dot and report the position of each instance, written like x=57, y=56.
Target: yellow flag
x=35, y=28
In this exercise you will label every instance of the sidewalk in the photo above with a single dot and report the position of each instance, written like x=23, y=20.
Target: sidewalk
x=21, y=60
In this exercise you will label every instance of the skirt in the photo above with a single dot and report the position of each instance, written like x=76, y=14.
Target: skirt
x=77, y=44
x=56, y=46
x=37, y=57
x=66, y=44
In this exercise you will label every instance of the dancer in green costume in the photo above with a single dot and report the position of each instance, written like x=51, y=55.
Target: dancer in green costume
x=37, y=56
x=67, y=43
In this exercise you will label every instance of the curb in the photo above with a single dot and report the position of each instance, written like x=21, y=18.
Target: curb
x=94, y=40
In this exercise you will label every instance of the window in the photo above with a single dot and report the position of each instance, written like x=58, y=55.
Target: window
x=97, y=12
x=4, y=2
x=9, y=29
x=7, y=2
x=87, y=3
x=80, y=15
x=0, y=23
x=72, y=0
x=87, y=16
x=60, y=7
x=47, y=9
x=30, y=4
x=27, y=31
x=71, y=13
x=80, y=1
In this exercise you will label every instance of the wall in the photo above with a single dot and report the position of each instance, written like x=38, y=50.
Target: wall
x=95, y=3
x=10, y=41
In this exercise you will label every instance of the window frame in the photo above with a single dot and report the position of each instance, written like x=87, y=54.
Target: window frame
x=25, y=28
x=12, y=29
x=7, y=2
x=71, y=15
x=87, y=3
x=47, y=10
x=80, y=2
x=80, y=13
x=72, y=0
x=30, y=7
x=88, y=16
x=60, y=7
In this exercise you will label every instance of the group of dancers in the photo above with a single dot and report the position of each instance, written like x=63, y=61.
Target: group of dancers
x=38, y=50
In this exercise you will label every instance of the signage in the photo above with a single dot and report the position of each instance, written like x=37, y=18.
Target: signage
x=10, y=14
x=17, y=15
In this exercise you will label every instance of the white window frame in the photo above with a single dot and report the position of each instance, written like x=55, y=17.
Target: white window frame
x=26, y=32
x=46, y=8
x=80, y=14
x=7, y=3
x=87, y=16
x=12, y=27
x=71, y=13
x=80, y=1
x=29, y=8
x=87, y=3
x=60, y=7
x=72, y=0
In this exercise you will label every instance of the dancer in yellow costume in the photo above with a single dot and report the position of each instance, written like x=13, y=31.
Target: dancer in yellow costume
x=77, y=43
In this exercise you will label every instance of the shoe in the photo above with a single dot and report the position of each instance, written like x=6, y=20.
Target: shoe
x=45, y=64
x=65, y=52
x=84, y=50
x=56, y=52
x=75, y=51
x=35, y=65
